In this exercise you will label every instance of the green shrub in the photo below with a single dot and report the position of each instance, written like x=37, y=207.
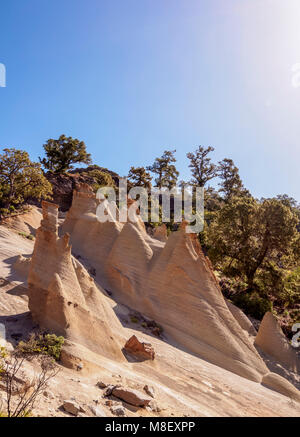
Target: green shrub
x=101, y=178
x=46, y=344
x=4, y=211
x=3, y=355
x=291, y=287
x=252, y=304
x=134, y=319
x=28, y=236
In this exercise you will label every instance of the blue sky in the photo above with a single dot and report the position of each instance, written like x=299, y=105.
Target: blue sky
x=135, y=77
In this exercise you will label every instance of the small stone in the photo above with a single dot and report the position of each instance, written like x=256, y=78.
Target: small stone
x=101, y=384
x=72, y=407
x=48, y=394
x=154, y=407
x=118, y=410
x=98, y=412
x=109, y=390
x=109, y=403
x=149, y=390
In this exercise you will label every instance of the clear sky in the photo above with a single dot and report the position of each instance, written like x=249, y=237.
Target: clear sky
x=135, y=77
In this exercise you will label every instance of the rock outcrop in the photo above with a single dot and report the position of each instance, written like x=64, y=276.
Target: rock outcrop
x=64, y=184
x=271, y=340
x=160, y=233
x=242, y=319
x=63, y=298
x=22, y=265
x=281, y=385
x=171, y=282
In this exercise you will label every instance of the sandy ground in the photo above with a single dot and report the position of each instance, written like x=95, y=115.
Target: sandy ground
x=184, y=384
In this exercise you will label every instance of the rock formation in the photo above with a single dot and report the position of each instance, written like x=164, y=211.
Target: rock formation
x=273, y=342
x=278, y=383
x=171, y=283
x=63, y=298
x=242, y=319
x=160, y=233
x=140, y=349
x=22, y=265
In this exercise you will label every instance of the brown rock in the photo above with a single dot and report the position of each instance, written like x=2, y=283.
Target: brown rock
x=72, y=407
x=109, y=403
x=149, y=390
x=132, y=397
x=102, y=384
x=109, y=389
x=143, y=350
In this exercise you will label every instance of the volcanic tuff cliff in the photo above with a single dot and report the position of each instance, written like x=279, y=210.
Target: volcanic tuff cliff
x=170, y=282
x=63, y=298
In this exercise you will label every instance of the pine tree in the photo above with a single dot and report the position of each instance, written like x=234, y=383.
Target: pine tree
x=21, y=179
x=203, y=170
x=139, y=177
x=231, y=184
x=167, y=174
x=62, y=153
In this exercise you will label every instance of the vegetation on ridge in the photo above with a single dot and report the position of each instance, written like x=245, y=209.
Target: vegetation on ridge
x=254, y=244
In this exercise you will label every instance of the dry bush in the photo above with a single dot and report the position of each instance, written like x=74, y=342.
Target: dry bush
x=21, y=394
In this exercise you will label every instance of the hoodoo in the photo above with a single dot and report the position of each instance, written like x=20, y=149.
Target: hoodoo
x=63, y=298
x=273, y=342
x=170, y=282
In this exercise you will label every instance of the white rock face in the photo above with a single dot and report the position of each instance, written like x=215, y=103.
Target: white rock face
x=170, y=282
x=272, y=341
x=64, y=299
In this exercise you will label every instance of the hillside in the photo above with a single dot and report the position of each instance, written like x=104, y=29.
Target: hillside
x=110, y=285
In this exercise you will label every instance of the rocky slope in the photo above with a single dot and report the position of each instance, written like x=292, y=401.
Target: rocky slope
x=205, y=362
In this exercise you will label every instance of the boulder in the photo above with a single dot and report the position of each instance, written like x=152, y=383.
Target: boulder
x=140, y=349
x=131, y=396
x=72, y=407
